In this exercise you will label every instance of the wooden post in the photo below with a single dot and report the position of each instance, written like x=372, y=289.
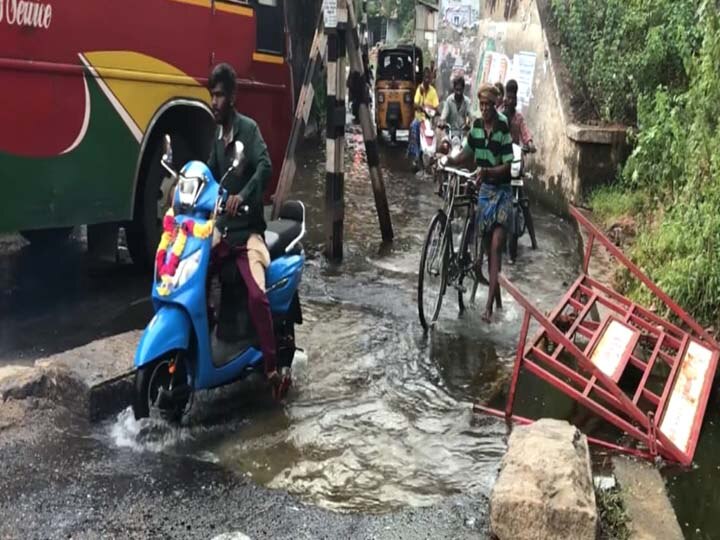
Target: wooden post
x=358, y=68
x=335, y=143
x=302, y=111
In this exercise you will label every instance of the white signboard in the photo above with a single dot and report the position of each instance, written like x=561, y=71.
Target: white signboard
x=330, y=13
x=613, y=346
x=680, y=414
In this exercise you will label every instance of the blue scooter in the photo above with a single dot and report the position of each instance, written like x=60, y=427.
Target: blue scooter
x=183, y=349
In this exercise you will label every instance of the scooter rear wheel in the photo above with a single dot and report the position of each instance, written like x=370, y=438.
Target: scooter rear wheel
x=161, y=388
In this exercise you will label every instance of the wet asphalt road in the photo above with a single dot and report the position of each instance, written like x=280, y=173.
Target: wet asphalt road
x=68, y=484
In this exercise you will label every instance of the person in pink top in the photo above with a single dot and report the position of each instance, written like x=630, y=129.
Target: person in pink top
x=519, y=130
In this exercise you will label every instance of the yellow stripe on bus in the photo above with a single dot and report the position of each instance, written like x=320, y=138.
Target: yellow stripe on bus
x=268, y=58
x=133, y=79
x=220, y=6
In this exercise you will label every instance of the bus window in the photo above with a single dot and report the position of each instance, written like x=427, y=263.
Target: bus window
x=270, y=30
x=270, y=35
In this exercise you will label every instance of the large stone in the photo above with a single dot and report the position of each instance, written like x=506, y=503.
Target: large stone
x=545, y=490
x=93, y=381
x=232, y=536
x=646, y=501
x=102, y=370
x=19, y=382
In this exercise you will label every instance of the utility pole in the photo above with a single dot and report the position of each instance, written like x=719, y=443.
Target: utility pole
x=358, y=69
x=335, y=12
x=337, y=35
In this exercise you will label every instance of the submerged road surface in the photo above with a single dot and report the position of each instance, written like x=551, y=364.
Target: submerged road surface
x=376, y=440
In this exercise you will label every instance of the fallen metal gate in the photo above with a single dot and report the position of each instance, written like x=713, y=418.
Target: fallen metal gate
x=587, y=342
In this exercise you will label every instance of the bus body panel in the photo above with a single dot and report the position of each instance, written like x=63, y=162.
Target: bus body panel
x=77, y=97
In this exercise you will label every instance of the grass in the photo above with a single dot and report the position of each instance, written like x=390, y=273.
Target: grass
x=612, y=203
x=612, y=515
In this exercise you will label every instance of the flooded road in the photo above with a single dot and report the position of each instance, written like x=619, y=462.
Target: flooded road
x=379, y=418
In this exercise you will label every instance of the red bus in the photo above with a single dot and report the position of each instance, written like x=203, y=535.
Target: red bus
x=88, y=88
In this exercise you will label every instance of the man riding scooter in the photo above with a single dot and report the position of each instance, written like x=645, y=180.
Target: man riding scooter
x=425, y=97
x=455, y=115
x=521, y=136
x=243, y=222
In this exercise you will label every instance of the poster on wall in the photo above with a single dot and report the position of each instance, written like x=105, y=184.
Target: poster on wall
x=523, y=71
x=460, y=14
x=496, y=67
x=521, y=67
x=458, y=43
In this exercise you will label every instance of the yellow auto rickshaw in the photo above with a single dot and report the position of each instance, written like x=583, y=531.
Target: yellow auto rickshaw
x=399, y=71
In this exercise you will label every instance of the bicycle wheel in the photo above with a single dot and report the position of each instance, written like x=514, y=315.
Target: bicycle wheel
x=433, y=271
x=470, y=266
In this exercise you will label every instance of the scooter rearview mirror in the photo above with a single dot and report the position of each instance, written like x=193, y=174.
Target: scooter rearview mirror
x=238, y=150
x=167, y=157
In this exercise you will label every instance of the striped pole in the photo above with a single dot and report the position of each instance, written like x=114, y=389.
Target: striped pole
x=335, y=142
x=369, y=132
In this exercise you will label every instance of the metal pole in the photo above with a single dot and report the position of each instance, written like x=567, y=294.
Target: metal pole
x=369, y=132
x=335, y=142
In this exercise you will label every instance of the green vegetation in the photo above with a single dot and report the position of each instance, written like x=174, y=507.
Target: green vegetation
x=620, y=50
x=613, y=516
x=655, y=65
x=402, y=10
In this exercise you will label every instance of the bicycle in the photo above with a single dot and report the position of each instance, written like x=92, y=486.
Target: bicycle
x=440, y=261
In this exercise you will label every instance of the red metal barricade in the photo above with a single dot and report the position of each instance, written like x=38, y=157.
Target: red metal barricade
x=587, y=342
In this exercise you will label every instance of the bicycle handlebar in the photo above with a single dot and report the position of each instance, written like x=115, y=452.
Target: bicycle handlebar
x=463, y=173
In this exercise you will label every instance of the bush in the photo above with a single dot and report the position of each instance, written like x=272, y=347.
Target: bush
x=676, y=166
x=619, y=50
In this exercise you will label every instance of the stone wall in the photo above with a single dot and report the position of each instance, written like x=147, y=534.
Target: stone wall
x=572, y=159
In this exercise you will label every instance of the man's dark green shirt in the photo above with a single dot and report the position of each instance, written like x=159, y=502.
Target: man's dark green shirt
x=493, y=150
x=250, y=181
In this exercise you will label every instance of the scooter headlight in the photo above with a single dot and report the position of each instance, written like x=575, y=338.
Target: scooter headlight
x=186, y=269
x=189, y=189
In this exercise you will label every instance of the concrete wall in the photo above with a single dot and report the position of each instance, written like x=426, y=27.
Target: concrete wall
x=572, y=159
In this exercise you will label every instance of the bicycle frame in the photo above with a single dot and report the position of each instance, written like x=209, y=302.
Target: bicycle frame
x=456, y=190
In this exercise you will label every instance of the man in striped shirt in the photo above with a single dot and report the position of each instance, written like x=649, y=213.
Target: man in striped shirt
x=490, y=143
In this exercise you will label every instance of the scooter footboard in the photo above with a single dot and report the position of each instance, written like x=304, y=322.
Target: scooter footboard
x=169, y=330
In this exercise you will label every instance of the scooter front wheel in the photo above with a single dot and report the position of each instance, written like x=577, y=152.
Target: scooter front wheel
x=162, y=386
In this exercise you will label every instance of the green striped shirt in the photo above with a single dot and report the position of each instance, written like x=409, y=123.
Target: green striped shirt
x=495, y=150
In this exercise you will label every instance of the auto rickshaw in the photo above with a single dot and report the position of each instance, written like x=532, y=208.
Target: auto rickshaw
x=399, y=71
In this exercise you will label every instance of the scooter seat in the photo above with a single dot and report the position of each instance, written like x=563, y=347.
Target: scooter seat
x=280, y=234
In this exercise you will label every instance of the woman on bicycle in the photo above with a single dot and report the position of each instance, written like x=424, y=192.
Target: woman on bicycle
x=489, y=142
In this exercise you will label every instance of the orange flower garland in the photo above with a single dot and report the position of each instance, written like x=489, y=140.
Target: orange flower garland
x=176, y=235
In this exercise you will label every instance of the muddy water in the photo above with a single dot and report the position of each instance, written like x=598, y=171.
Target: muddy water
x=380, y=416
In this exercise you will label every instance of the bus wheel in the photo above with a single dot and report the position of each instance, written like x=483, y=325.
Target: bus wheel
x=47, y=237
x=151, y=203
